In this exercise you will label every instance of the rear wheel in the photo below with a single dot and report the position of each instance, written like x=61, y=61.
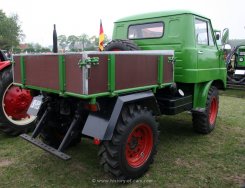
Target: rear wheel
x=15, y=102
x=205, y=122
x=133, y=146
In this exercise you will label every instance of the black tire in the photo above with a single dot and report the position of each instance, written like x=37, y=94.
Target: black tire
x=121, y=45
x=8, y=125
x=117, y=154
x=205, y=122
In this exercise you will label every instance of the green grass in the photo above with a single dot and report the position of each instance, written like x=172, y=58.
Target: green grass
x=233, y=93
x=184, y=158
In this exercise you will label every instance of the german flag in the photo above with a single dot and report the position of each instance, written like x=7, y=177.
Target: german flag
x=101, y=38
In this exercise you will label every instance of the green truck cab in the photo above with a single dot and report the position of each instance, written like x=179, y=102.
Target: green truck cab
x=157, y=63
x=198, y=59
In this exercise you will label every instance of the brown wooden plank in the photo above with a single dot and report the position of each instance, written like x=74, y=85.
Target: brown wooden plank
x=74, y=75
x=168, y=70
x=17, y=72
x=135, y=71
x=98, y=75
x=42, y=71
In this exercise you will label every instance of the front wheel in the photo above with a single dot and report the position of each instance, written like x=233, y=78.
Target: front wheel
x=133, y=146
x=205, y=122
x=15, y=102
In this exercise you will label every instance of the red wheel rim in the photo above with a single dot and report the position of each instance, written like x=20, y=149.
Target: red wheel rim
x=213, y=110
x=139, y=145
x=16, y=102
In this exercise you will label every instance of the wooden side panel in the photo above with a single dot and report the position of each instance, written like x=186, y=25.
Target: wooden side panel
x=135, y=71
x=17, y=70
x=42, y=71
x=74, y=77
x=167, y=70
x=98, y=75
x=131, y=71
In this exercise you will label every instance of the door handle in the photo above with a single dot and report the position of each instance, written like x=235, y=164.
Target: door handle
x=200, y=52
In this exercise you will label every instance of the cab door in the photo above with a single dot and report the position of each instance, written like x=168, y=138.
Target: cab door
x=207, y=51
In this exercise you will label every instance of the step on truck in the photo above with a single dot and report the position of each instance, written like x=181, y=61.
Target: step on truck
x=157, y=63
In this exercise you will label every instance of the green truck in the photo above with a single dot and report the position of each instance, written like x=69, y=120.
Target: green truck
x=157, y=63
x=236, y=67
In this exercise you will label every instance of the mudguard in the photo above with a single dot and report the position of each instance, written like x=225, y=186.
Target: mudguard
x=102, y=126
x=200, y=95
x=4, y=64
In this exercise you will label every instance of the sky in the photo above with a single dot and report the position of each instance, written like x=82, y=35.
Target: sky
x=75, y=17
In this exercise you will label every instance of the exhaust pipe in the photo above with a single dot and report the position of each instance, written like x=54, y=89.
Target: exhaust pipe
x=55, y=44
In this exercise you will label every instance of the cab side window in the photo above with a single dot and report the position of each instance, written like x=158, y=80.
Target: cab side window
x=146, y=30
x=203, y=33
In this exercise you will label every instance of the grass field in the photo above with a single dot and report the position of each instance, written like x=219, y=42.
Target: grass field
x=184, y=158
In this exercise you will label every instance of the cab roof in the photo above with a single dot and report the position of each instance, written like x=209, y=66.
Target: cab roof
x=157, y=15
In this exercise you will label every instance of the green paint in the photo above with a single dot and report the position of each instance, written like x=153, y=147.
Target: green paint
x=241, y=56
x=93, y=97
x=87, y=96
x=160, y=70
x=93, y=101
x=62, y=74
x=89, y=61
x=111, y=73
x=20, y=85
x=22, y=70
x=179, y=35
x=154, y=15
x=195, y=64
x=201, y=94
x=41, y=89
x=150, y=87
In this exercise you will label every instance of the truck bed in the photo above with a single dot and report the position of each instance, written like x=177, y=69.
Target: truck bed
x=115, y=72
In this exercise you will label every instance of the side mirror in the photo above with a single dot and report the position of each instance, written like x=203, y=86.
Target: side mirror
x=217, y=36
x=225, y=37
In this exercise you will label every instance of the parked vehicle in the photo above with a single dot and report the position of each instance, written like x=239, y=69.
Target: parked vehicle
x=157, y=63
x=14, y=102
x=236, y=67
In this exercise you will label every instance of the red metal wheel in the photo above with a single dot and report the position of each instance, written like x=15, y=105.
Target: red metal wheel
x=213, y=110
x=16, y=102
x=139, y=145
x=133, y=145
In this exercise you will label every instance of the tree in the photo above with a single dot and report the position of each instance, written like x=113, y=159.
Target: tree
x=94, y=40
x=30, y=49
x=80, y=43
x=62, y=40
x=10, y=31
x=83, y=40
x=16, y=50
x=36, y=48
x=71, y=41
